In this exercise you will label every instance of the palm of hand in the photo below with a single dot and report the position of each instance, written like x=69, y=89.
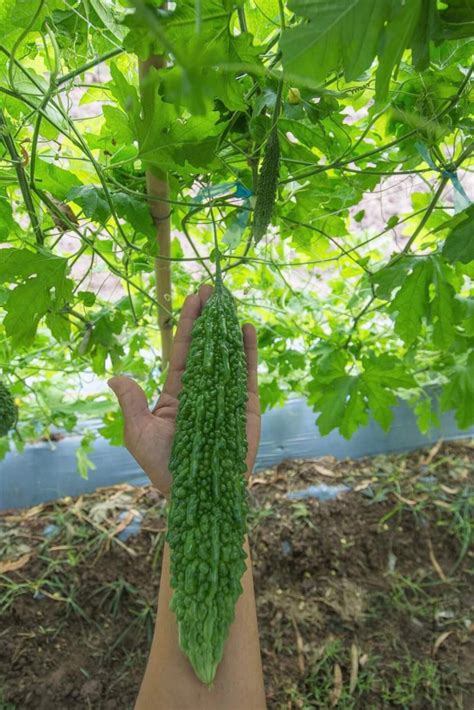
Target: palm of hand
x=149, y=434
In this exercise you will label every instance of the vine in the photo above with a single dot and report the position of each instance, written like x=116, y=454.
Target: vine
x=155, y=188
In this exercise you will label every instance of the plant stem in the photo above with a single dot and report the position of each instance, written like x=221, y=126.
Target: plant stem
x=22, y=179
x=218, y=277
x=89, y=65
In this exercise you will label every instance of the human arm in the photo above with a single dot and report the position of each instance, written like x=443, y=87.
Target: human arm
x=169, y=682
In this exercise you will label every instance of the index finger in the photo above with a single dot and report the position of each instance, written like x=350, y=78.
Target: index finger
x=190, y=311
x=250, y=344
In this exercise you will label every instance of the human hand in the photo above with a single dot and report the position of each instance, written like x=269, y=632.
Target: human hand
x=148, y=435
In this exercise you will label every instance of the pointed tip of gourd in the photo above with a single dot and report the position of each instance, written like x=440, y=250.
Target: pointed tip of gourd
x=205, y=669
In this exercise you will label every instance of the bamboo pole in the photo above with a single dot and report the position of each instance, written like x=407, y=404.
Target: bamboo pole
x=158, y=190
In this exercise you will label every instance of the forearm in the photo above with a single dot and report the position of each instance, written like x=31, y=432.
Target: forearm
x=169, y=682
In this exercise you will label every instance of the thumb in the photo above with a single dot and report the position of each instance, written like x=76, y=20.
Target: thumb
x=131, y=397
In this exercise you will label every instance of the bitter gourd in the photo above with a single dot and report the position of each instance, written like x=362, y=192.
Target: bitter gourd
x=8, y=410
x=208, y=508
x=267, y=186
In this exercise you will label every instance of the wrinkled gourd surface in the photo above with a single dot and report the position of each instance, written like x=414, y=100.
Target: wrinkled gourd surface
x=267, y=186
x=208, y=509
x=8, y=410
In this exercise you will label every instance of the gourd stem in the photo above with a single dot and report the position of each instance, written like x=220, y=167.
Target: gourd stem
x=277, y=106
x=218, y=276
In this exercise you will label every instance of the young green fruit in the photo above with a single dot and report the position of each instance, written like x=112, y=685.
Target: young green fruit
x=8, y=410
x=208, y=509
x=293, y=97
x=267, y=186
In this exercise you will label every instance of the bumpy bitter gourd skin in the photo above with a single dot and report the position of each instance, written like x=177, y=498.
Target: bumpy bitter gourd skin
x=8, y=410
x=267, y=186
x=208, y=509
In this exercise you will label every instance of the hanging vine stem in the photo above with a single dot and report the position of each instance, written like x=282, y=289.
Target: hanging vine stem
x=22, y=179
x=218, y=276
x=243, y=258
x=358, y=317
x=44, y=103
x=184, y=227
x=89, y=65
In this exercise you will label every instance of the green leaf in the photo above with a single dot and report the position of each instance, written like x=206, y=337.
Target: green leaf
x=207, y=73
x=113, y=428
x=351, y=33
x=382, y=374
x=404, y=18
x=458, y=393
x=117, y=126
x=135, y=211
x=59, y=325
x=7, y=224
x=88, y=298
x=381, y=401
x=167, y=141
x=388, y=371
x=329, y=363
x=355, y=414
x=410, y=304
x=459, y=244
x=420, y=41
x=456, y=20
x=341, y=405
x=361, y=34
x=442, y=306
x=467, y=305
x=22, y=263
x=54, y=179
x=313, y=48
x=426, y=417
x=84, y=463
x=125, y=93
x=4, y=446
x=17, y=14
x=25, y=307
x=45, y=287
x=91, y=199
x=390, y=277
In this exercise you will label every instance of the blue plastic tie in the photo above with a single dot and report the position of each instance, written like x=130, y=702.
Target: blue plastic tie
x=241, y=191
x=461, y=199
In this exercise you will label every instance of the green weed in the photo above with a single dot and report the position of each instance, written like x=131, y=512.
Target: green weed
x=413, y=683
x=112, y=595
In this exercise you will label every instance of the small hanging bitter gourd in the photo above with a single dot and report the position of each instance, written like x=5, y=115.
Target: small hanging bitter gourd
x=8, y=410
x=267, y=186
x=208, y=509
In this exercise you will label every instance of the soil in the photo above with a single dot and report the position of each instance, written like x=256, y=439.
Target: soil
x=364, y=601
